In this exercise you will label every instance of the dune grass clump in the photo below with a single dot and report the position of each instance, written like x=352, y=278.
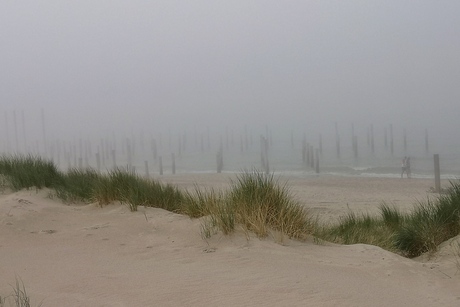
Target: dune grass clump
x=421, y=231
x=18, y=297
x=214, y=207
x=392, y=217
x=200, y=203
x=261, y=204
x=360, y=229
x=77, y=185
x=430, y=224
x=127, y=187
x=25, y=172
x=257, y=202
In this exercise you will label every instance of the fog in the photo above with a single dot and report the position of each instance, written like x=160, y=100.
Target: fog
x=99, y=68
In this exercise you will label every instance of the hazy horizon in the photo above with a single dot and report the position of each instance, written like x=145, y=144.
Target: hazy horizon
x=99, y=68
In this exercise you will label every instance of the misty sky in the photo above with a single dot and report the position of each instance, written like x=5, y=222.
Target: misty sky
x=135, y=64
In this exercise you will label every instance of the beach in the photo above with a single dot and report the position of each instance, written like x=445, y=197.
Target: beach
x=85, y=255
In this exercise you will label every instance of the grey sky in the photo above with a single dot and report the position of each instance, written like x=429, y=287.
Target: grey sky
x=145, y=64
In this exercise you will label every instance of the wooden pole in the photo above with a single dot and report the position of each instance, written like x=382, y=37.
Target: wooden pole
x=317, y=161
x=391, y=139
x=355, y=146
x=160, y=162
x=320, y=144
x=114, y=161
x=426, y=141
x=24, y=130
x=128, y=150
x=405, y=140
x=304, y=151
x=16, y=138
x=154, y=149
x=7, y=133
x=98, y=162
x=173, y=157
x=337, y=141
x=147, y=174
x=44, y=132
x=437, y=174
x=385, y=136
x=372, y=138
x=220, y=161
x=312, y=158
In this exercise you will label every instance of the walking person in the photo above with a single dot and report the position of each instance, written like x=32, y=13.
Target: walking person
x=404, y=166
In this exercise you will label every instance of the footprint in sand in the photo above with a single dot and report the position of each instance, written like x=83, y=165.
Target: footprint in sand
x=47, y=231
x=97, y=226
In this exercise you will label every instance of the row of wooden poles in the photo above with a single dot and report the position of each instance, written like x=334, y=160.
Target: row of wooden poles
x=310, y=156
x=246, y=138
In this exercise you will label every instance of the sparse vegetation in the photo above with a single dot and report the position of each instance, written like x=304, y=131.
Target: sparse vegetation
x=77, y=185
x=257, y=202
x=132, y=190
x=18, y=297
x=25, y=172
x=421, y=231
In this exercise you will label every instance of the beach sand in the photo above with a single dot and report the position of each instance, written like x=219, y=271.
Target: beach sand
x=84, y=255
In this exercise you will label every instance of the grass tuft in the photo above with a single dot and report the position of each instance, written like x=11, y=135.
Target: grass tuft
x=18, y=297
x=77, y=185
x=256, y=201
x=127, y=187
x=25, y=172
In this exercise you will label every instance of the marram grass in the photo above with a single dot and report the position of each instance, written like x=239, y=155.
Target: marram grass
x=27, y=171
x=18, y=297
x=256, y=202
x=428, y=225
x=133, y=190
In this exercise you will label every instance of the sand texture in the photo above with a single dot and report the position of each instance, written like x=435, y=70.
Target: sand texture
x=84, y=255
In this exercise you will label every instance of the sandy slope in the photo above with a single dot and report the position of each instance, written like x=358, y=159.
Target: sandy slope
x=82, y=255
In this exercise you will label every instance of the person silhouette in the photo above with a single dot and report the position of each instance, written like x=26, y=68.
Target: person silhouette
x=404, y=166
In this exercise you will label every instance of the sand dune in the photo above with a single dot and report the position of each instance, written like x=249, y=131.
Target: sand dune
x=84, y=255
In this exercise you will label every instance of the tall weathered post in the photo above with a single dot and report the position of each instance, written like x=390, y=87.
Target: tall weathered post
x=437, y=174
x=264, y=153
x=355, y=146
x=173, y=157
x=44, y=132
x=312, y=157
x=24, y=130
x=16, y=138
x=160, y=162
x=320, y=144
x=114, y=161
x=385, y=136
x=154, y=149
x=405, y=140
x=220, y=161
x=372, y=138
x=391, y=139
x=147, y=174
x=353, y=139
x=317, y=161
x=426, y=141
x=337, y=140
x=304, y=150
x=7, y=133
x=98, y=162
